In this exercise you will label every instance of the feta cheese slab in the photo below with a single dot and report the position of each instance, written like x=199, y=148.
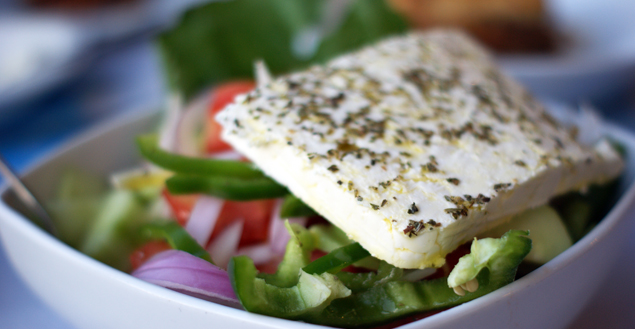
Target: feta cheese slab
x=412, y=146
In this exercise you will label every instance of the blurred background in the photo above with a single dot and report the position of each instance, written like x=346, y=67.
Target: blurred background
x=68, y=65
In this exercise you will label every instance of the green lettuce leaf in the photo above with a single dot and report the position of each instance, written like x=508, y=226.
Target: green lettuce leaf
x=220, y=41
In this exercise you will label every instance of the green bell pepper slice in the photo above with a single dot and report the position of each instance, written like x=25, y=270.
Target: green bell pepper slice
x=177, y=237
x=296, y=256
x=290, y=292
x=149, y=148
x=358, y=282
x=329, y=237
x=225, y=187
x=294, y=207
x=352, y=300
x=337, y=259
x=310, y=295
x=393, y=299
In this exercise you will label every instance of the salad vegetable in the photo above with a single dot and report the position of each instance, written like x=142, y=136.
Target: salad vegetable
x=229, y=188
x=220, y=41
x=377, y=298
x=223, y=95
x=115, y=230
x=177, y=238
x=294, y=207
x=328, y=238
x=181, y=271
x=337, y=259
x=149, y=147
x=548, y=232
x=389, y=300
x=291, y=292
x=79, y=197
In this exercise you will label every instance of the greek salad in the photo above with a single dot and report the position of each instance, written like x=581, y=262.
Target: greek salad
x=199, y=217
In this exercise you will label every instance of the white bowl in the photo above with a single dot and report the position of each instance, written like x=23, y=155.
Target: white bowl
x=92, y=295
x=597, y=61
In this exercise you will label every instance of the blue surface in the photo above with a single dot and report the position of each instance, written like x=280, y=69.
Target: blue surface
x=24, y=137
x=125, y=81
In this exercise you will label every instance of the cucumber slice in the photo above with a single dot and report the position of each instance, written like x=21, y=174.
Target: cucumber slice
x=78, y=198
x=547, y=232
x=73, y=217
x=115, y=232
x=577, y=214
x=78, y=184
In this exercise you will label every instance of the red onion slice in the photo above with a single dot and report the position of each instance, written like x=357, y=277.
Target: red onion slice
x=228, y=155
x=260, y=253
x=180, y=129
x=261, y=71
x=278, y=235
x=180, y=271
x=203, y=218
x=418, y=275
x=168, y=130
x=191, y=123
x=224, y=246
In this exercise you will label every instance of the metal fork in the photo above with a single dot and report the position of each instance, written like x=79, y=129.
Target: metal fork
x=25, y=195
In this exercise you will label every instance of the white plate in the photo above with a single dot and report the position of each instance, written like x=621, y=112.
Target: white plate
x=92, y=295
x=38, y=52
x=599, y=60
x=42, y=49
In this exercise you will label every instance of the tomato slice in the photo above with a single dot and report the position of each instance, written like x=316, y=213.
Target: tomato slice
x=256, y=215
x=181, y=205
x=222, y=96
x=269, y=267
x=145, y=252
x=451, y=260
